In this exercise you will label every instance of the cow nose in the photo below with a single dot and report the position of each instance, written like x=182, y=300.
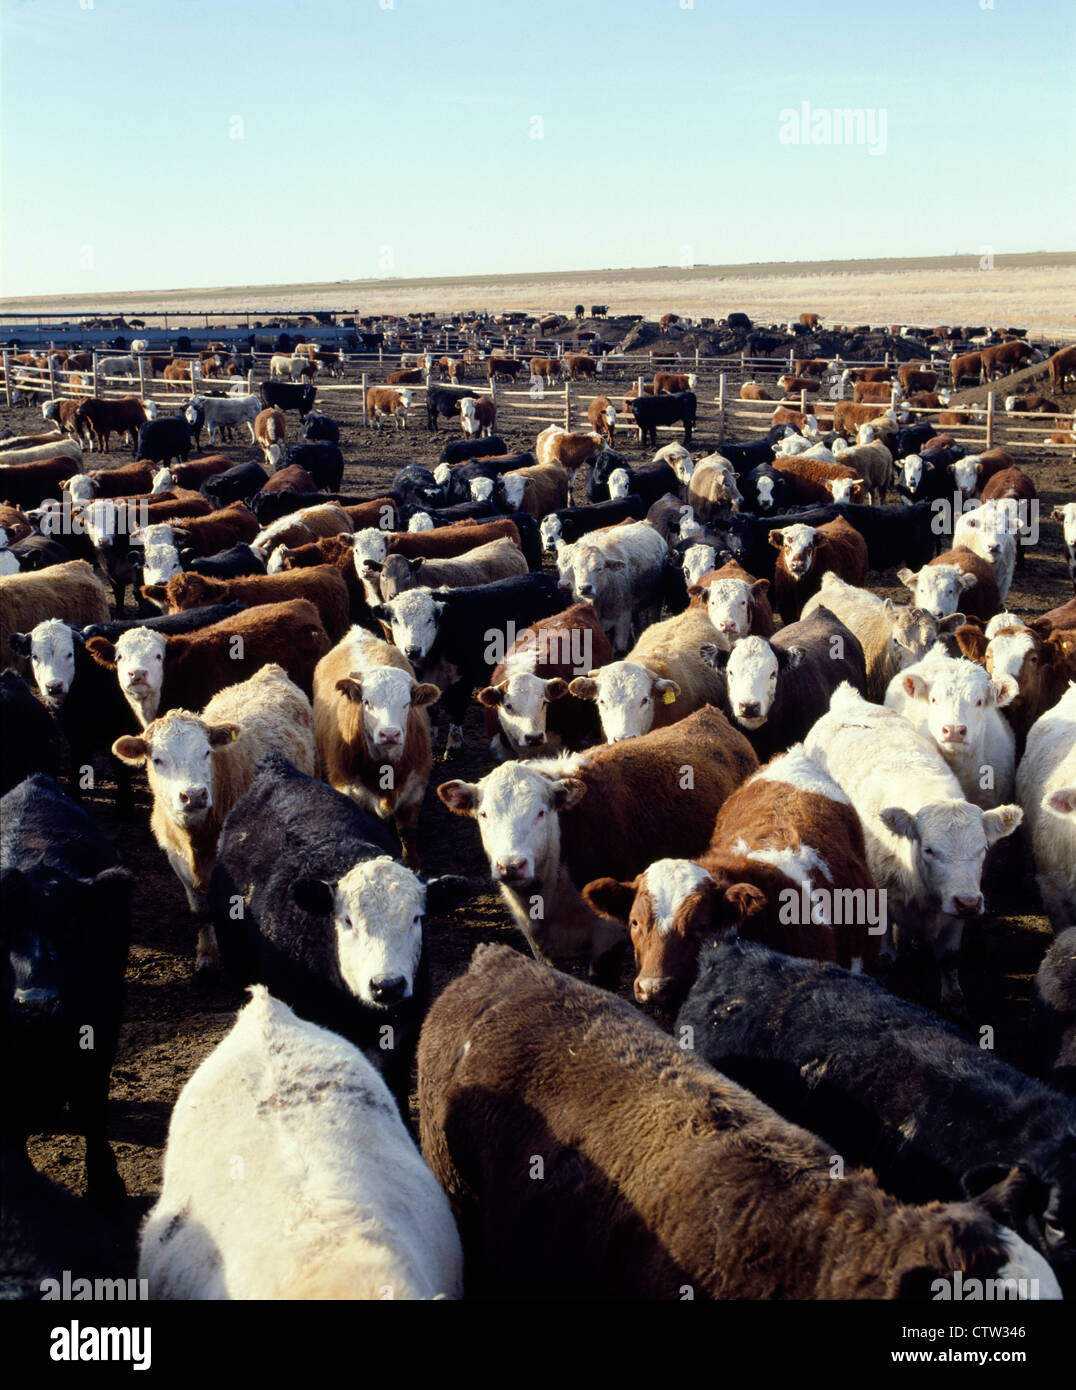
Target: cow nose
x=509, y=868
x=968, y=907
x=532, y=740
x=137, y=676
x=650, y=988
x=750, y=709
x=413, y=654
x=388, y=989
x=726, y=627
x=54, y=687
x=955, y=733
x=31, y=1003
x=587, y=589
x=195, y=798
x=389, y=736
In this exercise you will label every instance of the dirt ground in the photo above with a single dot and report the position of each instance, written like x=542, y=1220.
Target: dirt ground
x=170, y=1026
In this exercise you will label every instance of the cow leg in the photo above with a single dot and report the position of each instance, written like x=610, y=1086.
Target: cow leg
x=207, y=954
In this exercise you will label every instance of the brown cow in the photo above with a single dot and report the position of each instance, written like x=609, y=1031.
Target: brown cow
x=809, y=552
x=323, y=585
x=104, y=418
x=661, y=1179
x=1005, y=358
x=601, y=415
x=580, y=364
x=1062, y=366
x=672, y=382
x=965, y=365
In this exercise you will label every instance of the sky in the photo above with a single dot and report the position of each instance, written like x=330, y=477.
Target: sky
x=156, y=144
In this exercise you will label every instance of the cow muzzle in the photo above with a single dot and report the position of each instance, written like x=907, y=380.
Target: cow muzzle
x=651, y=989
x=37, y=1003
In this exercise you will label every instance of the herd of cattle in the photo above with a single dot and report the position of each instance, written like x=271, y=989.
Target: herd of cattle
x=712, y=747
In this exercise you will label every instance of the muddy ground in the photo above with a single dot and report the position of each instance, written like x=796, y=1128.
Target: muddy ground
x=170, y=1026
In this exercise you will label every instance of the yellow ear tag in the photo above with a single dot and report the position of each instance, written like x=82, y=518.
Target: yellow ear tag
x=668, y=698
x=235, y=734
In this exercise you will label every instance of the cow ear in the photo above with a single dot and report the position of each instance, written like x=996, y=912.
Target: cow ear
x=1001, y=822
x=445, y=891
x=971, y=641
x=491, y=696
x=668, y=690
x=967, y=580
x=20, y=643
x=556, y=688
x=220, y=735
x=713, y=656
x=584, y=688
x=697, y=591
x=761, y=587
x=158, y=593
x=610, y=898
x=314, y=895
x=1004, y=690
x=425, y=694
x=748, y=900
x=1010, y=1193
x=381, y=612
x=777, y=539
x=350, y=688
x=460, y=797
x=103, y=652
x=915, y=687
x=793, y=657
x=900, y=822
x=416, y=564
x=907, y=577
x=1062, y=801
x=568, y=792
x=130, y=748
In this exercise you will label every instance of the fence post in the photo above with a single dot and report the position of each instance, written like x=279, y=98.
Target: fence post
x=7, y=379
x=989, y=419
x=94, y=377
x=380, y=354
x=721, y=407
x=52, y=376
x=365, y=417
x=142, y=376
x=887, y=357
x=567, y=405
x=803, y=401
x=250, y=381
x=696, y=361
x=743, y=365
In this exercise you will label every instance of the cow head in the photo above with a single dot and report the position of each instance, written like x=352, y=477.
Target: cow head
x=138, y=659
x=937, y=588
x=522, y=703
x=413, y=618
x=957, y=694
x=626, y=693
x=797, y=545
x=386, y=695
x=178, y=750
x=752, y=669
x=730, y=606
x=51, y=649
x=949, y=842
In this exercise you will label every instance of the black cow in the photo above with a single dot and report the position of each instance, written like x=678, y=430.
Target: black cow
x=67, y=921
x=911, y=439
x=322, y=459
x=89, y=707
x=271, y=506
x=894, y=535
x=321, y=427
x=285, y=846
x=530, y=539
x=441, y=401
x=467, y=623
x=573, y=522
x=289, y=395
x=652, y=481
x=29, y=739
x=190, y=620
x=459, y=450
x=781, y=495
x=233, y=563
x=38, y=553
x=164, y=439
x=890, y=1085
x=649, y=412
x=416, y=486
x=238, y=484
x=598, y=471
x=738, y=320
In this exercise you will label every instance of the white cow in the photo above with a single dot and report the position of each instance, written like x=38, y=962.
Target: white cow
x=1046, y=787
x=117, y=366
x=957, y=704
x=422, y=521
x=199, y=766
x=926, y=844
x=938, y=589
x=225, y=410
x=697, y=561
x=289, y=1174
x=620, y=573
x=990, y=531
x=370, y=550
x=1066, y=515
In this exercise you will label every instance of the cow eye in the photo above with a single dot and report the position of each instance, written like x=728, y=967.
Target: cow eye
x=482, y=815
x=508, y=708
x=540, y=815
x=929, y=852
x=158, y=762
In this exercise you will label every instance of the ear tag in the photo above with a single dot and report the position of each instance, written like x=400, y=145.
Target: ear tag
x=668, y=698
x=235, y=734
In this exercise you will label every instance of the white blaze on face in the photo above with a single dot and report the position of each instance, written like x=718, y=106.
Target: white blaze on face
x=958, y=694
x=81, y=488
x=414, y=616
x=421, y=521
x=275, y=563
x=670, y=882
x=586, y=567
x=841, y=488
x=626, y=695
x=1008, y=651
x=988, y=531
x=798, y=548
x=179, y=764
x=160, y=564
x=100, y=521
x=912, y=470
x=52, y=659
x=514, y=487
x=939, y=589
x=951, y=839
x=518, y=823
x=162, y=481
x=764, y=489
x=610, y=416
x=752, y=681
x=377, y=913
x=550, y=532
x=369, y=548
x=467, y=416
x=140, y=668
x=522, y=713
x=698, y=560
x=728, y=607
x=442, y=474
x=386, y=704
x=1068, y=524
x=481, y=489
x=619, y=484
x=966, y=474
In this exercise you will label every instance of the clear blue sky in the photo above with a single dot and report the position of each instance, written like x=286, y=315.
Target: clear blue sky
x=369, y=125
